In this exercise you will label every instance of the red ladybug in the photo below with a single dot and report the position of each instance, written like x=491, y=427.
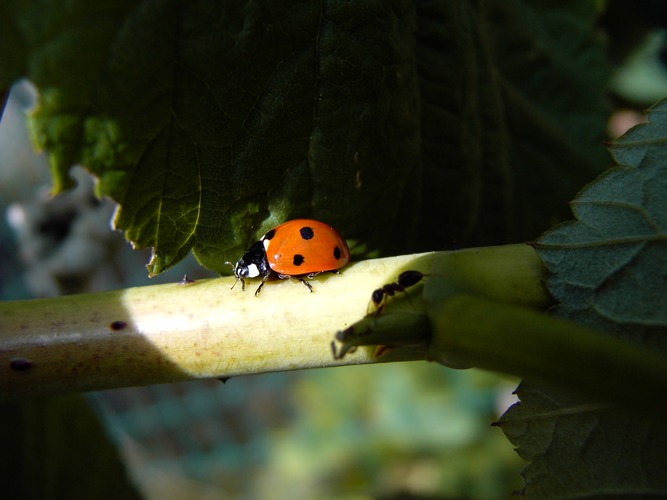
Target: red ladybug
x=298, y=248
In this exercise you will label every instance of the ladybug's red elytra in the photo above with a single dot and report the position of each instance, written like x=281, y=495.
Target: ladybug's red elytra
x=296, y=249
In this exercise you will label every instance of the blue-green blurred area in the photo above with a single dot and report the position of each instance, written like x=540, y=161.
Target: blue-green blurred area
x=359, y=432
x=636, y=36
x=353, y=432
x=642, y=78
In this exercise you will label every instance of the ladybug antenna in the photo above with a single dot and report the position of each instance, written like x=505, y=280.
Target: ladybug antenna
x=227, y=263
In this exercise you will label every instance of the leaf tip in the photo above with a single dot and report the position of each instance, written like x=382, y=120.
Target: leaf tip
x=155, y=266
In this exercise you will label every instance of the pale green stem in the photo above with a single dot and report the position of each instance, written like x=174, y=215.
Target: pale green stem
x=174, y=332
x=500, y=337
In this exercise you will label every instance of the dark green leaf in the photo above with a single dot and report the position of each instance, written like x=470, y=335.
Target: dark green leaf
x=609, y=272
x=405, y=125
x=610, y=266
x=512, y=115
x=577, y=450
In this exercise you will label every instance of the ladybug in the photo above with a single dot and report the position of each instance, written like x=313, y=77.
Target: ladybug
x=296, y=249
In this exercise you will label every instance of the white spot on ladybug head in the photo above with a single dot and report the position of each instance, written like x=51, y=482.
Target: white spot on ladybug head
x=253, y=271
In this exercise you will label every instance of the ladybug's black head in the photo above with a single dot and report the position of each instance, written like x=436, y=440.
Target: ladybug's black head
x=252, y=264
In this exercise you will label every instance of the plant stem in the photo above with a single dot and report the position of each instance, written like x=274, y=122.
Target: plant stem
x=474, y=331
x=175, y=332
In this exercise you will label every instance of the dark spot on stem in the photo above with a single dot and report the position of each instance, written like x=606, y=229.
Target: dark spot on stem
x=20, y=365
x=118, y=325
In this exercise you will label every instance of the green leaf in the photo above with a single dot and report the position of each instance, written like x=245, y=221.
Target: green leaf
x=609, y=271
x=211, y=123
x=610, y=265
x=502, y=148
x=577, y=450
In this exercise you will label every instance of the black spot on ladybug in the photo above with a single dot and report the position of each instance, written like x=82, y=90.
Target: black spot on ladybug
x=269, y=235
x=306, y=232
x=20, y=365
x=298, y=259
x=117, y=325
x=337, y=252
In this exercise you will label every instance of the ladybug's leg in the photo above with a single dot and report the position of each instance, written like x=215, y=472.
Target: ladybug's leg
x=259, y=288
x=266, y=274
x=289, y=277
x=310, y=276
x=307, y=284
